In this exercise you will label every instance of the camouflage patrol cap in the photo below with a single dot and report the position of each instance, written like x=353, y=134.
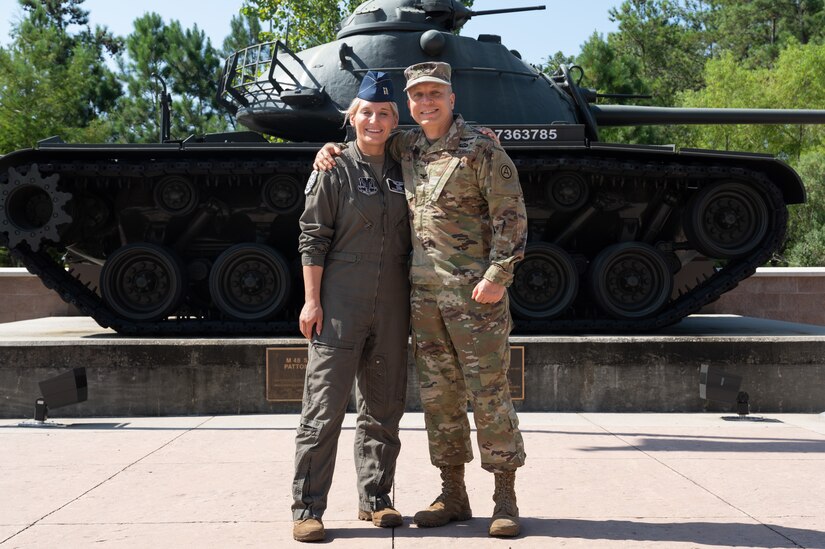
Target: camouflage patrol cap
x=431, y=71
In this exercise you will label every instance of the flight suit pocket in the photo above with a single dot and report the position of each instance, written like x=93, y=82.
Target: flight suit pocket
x=402, y=234
x=325, y=346
x=309, y=428
x=377, y=386
x=386, y=388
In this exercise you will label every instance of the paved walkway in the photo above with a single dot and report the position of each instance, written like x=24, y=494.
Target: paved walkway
x=591, y=481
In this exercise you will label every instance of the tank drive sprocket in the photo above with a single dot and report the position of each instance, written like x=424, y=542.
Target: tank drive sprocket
x=32, y=209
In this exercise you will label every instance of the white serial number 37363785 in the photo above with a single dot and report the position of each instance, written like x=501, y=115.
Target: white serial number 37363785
x=527, y=134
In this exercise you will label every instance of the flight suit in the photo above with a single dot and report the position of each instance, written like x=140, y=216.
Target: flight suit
x=355, y=224
x=469, y=222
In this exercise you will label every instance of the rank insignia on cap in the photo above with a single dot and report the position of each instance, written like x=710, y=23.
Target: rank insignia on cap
x=376, y=87
x=367, y=186
x=311, y=183
x=430, y=71
x=395, y=186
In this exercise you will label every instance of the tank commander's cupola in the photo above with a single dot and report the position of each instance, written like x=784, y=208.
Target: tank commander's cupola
x=405, y=15
x=412, y=15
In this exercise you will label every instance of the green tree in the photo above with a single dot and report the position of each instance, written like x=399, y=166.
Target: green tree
x=755, y=31
x=186, y=60
x=795, y=83
x=607, y=70
x=659, y=50
x=5, y=258
x=551, y=64
x=137, y=117
x=666, y=38
x=805, y=245
x=194, y=67
x=53, y=82
x=244, y=31
x=300, y=23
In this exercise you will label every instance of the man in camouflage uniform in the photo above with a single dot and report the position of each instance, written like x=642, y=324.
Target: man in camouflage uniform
x=470, y=225
x=468, y=216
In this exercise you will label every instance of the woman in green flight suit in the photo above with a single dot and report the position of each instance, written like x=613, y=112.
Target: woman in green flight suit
x=355, y=246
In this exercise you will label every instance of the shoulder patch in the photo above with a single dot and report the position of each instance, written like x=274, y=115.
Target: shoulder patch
x=506, y=171
x=313, y=178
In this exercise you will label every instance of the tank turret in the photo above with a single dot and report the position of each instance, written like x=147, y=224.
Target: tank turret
x=301, y=97
x=199, y=236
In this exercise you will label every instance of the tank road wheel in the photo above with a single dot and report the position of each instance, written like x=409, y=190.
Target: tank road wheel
x=176, y=195
x=282, y=194
x=142, y=282
x=250, y=282
x=726, y=220
x=31, y=208
x=630, y=280
x=545, y=282
x=567, y=191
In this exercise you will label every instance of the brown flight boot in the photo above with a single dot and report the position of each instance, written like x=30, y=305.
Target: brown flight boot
x=387, y=517
x=504, y=523
x=453, y=503
x=308, y=529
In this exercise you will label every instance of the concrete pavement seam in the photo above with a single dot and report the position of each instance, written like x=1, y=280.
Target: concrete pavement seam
x=665, y=465
x=101, y=483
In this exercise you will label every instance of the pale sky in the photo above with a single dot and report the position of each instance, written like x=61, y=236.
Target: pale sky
x=564, y=25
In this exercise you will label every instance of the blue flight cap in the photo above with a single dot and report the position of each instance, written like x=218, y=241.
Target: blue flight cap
x=376, y=87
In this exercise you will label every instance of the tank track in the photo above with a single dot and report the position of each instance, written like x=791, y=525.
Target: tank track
x=82, y=296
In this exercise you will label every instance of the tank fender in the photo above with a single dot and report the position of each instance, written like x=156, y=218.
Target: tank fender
x=780, y=173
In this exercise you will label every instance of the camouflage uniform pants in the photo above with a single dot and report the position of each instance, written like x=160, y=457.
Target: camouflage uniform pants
x=462, y=352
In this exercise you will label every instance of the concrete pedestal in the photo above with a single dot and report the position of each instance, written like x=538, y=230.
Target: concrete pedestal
x=783, y=365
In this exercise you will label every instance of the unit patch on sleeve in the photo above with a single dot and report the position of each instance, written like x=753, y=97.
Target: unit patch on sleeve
x=311, y=183
x=395, y=186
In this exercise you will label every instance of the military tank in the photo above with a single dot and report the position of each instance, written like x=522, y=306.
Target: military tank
x=199, y=236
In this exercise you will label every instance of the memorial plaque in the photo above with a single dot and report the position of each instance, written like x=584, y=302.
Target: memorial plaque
x=285, y=369
x=516, y=373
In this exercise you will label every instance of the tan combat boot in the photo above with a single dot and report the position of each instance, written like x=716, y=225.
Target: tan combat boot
x=504, y=523
x=308, y=529
x=453, y=503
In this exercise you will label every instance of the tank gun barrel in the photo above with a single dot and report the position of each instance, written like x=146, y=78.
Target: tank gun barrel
x=624, y=115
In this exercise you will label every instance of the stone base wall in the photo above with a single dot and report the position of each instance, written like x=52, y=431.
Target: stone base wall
x=789, y=294
x=23, y=297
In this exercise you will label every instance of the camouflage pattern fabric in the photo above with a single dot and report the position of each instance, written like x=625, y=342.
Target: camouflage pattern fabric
x=466, y=207
x=429, y=71
x=461, y=351
x=469, y=222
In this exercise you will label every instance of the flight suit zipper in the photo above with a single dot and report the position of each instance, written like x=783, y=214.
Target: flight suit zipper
x=381, y=274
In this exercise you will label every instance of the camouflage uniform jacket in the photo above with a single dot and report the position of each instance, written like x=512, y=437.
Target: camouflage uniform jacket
x=466, y=207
